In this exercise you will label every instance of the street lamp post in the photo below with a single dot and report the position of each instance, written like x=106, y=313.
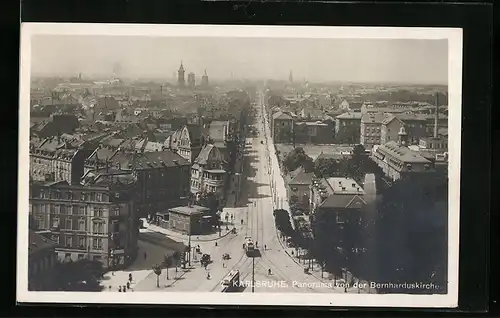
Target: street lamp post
x=253, y=274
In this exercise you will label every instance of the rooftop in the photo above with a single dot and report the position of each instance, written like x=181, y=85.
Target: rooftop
x=281, y=115
x=300, y=177
x=150, y=160
x=349, y=115
x=374, y=117
x=402, y=153
x=190, y=210
x=344, y=201
x=39, y=243
x=345, y=186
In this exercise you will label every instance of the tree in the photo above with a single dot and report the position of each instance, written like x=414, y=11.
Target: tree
x=412, y=223
x=157, y=271
x=297, y=158
x=168, y=261
x=282, y=220
x=327, y=167
x=299, y=207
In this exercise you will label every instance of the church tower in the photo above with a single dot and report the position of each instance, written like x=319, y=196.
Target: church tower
x=204, y=79
x=180, y=76
x=290, y=78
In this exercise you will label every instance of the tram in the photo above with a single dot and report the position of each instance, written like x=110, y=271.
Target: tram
x=231, y=282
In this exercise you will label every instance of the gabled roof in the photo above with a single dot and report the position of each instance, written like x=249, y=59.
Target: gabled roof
x=301, y=178
x=343, y=201
x=204, y=154
x=389, y=119
x=281, y=115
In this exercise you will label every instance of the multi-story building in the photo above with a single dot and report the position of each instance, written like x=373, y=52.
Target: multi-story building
x=42, y=259
x=391, y=125
x=298, y=184
x=219, y=133
x=347, y=128
x=337, y=216
x=187, y=141
x=398, y=161
x=282, y=127
x=315, y=132
x=163, y=179
x=56, y=124
x=55, y=160
x=208, y=173
x=415, y=126
x=94, y=221
x=371, y=128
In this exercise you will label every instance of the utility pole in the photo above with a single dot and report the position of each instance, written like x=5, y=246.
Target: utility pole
x=253, y=274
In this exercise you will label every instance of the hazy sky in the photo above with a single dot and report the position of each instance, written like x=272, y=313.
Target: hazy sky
x=358, y=60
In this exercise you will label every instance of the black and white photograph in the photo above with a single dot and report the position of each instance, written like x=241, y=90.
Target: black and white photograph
x=190, y=164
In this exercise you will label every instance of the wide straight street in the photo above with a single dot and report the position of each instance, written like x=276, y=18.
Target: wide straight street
x=252, y=218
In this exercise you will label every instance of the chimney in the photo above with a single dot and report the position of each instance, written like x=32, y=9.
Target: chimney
x=436, y=116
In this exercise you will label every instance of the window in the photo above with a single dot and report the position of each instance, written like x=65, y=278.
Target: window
x=69, y=224
x=81, y=242
x=97, y=243
x=340, y=218
x=81, y=225
x=40, y=222
x=82, y=210
x=98, y=212
x=69, y=241
x=57, y=194
x=57, y=209
x=69, y=209
x=116, y=211
x=92, y=196
x=70, y=195
x=97, y=227
x=98, y=197
x=55, y=223
x=42, y=193
x=81, y=256
x=82, y=196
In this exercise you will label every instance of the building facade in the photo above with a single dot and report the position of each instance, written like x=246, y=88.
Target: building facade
x=188, y=219
x=208, y=173
x=398, y=161
x=347, y=128
x=95, y=222
x=53, y=160
x=282, y=127
x=390, y=128
x=163, y=179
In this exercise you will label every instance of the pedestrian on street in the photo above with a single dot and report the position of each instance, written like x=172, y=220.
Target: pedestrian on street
x=145, y=255
x=119, y=289
x=124, y=289
x=265, y=247
x=130, y=277
x=128, y=285
x=216, y=243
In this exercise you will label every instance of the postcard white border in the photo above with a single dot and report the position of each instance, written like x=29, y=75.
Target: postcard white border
x=454, y=37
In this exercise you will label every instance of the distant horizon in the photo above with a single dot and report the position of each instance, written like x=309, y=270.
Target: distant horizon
x=418, y=61
x=159, y=79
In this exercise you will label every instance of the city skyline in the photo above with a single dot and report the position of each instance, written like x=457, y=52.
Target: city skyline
x=319, y=60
